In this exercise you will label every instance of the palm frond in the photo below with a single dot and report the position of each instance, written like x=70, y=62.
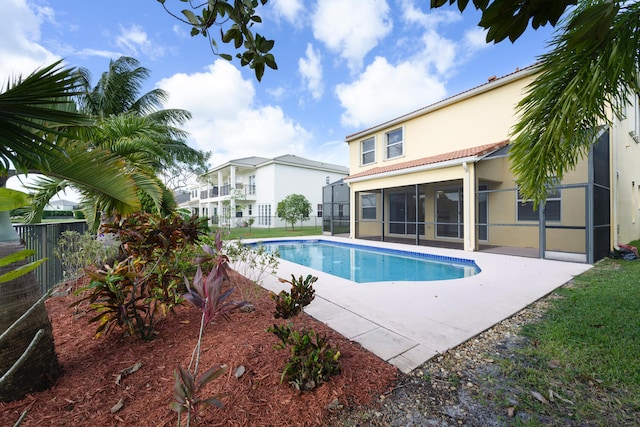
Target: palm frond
x=34, y=107
x=585, y=76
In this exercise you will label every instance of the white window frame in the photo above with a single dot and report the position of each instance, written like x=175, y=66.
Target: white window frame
x=388, y=144
x=363, y=152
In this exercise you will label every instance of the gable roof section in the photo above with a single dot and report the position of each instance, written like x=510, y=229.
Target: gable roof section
x=473, y=152
x=292, y=160
x=287, y=159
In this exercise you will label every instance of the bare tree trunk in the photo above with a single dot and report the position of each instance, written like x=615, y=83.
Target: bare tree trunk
x=41, y=368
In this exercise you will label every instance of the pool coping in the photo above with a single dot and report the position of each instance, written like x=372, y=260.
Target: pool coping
x=407, y=323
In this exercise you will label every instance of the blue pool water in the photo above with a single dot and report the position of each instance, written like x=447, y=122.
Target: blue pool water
x=363, y=264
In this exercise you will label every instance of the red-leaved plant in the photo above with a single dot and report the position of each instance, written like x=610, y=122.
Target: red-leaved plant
x=207, y=294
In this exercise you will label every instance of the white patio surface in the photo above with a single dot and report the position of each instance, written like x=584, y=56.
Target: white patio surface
x=407, y=323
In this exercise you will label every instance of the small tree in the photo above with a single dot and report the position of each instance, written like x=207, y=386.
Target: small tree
x=294, y=207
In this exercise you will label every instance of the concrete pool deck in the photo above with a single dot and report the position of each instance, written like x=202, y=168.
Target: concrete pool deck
x=407, y=323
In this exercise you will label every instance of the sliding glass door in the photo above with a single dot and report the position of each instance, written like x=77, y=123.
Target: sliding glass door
x=405, y=212
x=449, y=211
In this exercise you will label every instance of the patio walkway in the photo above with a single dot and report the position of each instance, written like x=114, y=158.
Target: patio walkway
x=407, y=323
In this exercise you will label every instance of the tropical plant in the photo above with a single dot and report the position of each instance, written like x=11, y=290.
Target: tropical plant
x=132, y=128
x=28, y=361
x=589, y=73
x=290, y=303
x=37, y=117
x=206, y=294
x=313, y=360
x=241, y=15
x=187, y=387
x=134, y=293
x=294, y=208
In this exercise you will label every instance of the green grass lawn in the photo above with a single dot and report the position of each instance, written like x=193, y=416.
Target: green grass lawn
x=268, y=233
x=584, y=356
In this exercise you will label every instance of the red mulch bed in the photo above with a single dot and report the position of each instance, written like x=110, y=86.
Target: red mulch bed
x=86, y=391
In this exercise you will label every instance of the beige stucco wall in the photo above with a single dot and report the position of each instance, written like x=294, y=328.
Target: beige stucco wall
x=626, y=176
x=482, y=119
x=483, y=116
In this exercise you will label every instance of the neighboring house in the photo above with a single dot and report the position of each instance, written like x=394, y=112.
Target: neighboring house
x=441, y=175
x=61, y=205
x=251, y=188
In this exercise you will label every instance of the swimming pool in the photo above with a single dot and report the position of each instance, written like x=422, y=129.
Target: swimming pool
x=363, y=264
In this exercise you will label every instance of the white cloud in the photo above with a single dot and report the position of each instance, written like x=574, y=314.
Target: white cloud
x=310, y=68
x=226, y=121
x=290, y=10
x=100, y=53
x=385, y=91
x=134, y=40
x=437, y=51
x=351, y=28
x=427, y=20
x=475, y=39
x=20, y=36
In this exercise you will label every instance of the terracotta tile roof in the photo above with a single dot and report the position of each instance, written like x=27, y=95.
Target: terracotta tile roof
x=439, y=158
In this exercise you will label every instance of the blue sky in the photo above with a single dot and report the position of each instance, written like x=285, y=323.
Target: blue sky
x=344, y=65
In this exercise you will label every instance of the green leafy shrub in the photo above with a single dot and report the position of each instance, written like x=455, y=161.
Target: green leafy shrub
x=289, y=304
x=116, y=294
x=252, y=262
x=79, y=251
x=146, y=285
x=312, y=360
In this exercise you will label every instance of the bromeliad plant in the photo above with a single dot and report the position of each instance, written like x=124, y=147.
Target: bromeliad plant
x=312, y=360
x=206, y=292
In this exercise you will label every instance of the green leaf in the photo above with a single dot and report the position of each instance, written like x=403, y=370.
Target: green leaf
x=20, y=271
x=18, y=256
x=12, y=199
x=193, y=19
x=270, y=61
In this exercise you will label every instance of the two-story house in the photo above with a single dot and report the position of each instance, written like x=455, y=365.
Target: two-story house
x=249, y=189
x=441, y=176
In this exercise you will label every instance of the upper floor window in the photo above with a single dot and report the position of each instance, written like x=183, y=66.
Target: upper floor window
x=394, y=143
x=553, y=207
x=368, y=150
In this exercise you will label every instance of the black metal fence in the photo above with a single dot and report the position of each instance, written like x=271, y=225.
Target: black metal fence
x=43, y=238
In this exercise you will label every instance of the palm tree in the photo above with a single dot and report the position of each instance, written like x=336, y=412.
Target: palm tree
x=135, y=129
x=36, y=122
